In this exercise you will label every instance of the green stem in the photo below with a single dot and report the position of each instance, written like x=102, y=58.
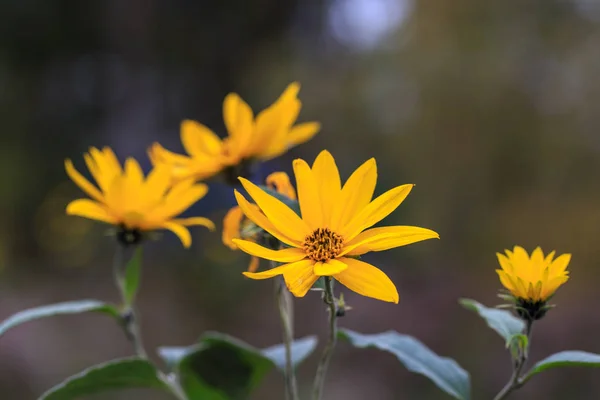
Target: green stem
x=286, y=314
x=131, y=326
x=171, y=381
x=515, y=381
x=328, y=350
x=129, y=317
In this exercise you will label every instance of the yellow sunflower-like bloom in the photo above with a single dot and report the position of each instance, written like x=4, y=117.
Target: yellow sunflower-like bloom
x=331, y=231
x=234, y=221
x=532, y=279
x=268, y=135
x=136, y=204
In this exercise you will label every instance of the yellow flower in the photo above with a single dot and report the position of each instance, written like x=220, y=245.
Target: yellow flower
x=268, y=135
x=234, y=221
x=134, y=203
x=331, y=231
x=532, y=279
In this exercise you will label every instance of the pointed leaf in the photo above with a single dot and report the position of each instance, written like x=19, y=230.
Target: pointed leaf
x=114, y=375
x=416, y=357
x=502, y=321
x=301, y=349
x=70, y=307
x=132, y=275
x=570, y=358
x=221, y=367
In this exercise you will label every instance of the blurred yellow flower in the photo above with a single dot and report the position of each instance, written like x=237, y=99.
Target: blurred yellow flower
x=532, y=279
x=134, y=203
x=268, y=135
x=331, y=230
x=234, y=221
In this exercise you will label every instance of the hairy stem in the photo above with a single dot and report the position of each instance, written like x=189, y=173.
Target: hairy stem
x=129, y=318
x=328, y=350
x=515, y=380
x=286, y=314
x=131, y=326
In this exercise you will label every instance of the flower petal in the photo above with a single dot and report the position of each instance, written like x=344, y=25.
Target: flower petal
x=181, y=231
x=198, y=140
x=375, y=211
x=83, y=183
x=255, y=215
x=505, y=263
x=355, y=195
x=367, y=280
x=308, y=194
x=552, y=286
x=284, y=255
x=181, y=196
x=195, y=221
x=559, y=265
x=280, y=182
x=329, y=268
x=302, y=133
x=281, y=216
x=239, y=121
x=506, y=280
x=387, y=237
x=90, y=209
x=282, y=269
x=157, y=183
x=328, y=182
x=549, y=258
x=231, y=227
x=253, y=265
x=300, y=279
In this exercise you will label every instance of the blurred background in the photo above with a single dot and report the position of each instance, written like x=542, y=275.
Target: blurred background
x=491, y=108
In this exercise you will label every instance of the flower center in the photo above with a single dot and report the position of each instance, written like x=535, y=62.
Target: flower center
x=323, y=245
x=129, y=236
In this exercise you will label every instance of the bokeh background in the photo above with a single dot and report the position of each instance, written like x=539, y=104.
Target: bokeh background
x=491, y=108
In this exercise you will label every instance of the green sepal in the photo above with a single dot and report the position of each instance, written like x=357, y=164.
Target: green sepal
x=518, y=344
x=132, y=276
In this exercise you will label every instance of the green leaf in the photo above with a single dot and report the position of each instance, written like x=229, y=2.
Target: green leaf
x=570, y=358
x=418, y=358
x=132, y=275
x=301, y=349
x=291, y=203
x=503, y=322
x=70, y=307
x=114, y=375
x=221, y=367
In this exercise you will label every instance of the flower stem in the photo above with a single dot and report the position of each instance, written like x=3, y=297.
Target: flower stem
x=129, y=318
x=515, y=381
x=286, y=314
x=328, y=350
x=131, y=326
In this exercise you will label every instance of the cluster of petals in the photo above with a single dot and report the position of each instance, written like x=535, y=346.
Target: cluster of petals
x=124, y=197
x=234, y=221
x=534, y=278
x=332, y=230
x=267, y=136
